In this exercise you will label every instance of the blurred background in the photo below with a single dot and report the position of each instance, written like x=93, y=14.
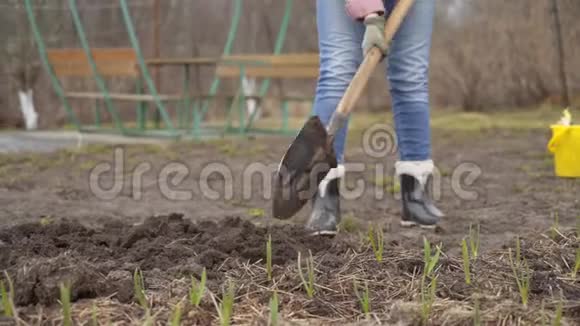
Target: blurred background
x=488, y=55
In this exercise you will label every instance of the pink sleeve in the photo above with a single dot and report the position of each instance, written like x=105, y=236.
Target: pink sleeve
x=358, y=9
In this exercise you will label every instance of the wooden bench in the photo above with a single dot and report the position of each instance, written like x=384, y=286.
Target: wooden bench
x=283, y=66
x=303, y=66
x=110, y=62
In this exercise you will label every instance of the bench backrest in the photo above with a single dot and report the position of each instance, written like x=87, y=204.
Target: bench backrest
x=113, y=62
x=283, y=66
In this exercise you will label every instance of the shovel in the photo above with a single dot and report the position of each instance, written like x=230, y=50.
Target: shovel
x=311, y=154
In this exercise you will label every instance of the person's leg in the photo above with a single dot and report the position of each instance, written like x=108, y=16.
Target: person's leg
x=339, y=40
x=408, y=75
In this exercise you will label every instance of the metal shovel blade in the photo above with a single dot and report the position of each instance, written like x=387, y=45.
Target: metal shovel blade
x=305, y=164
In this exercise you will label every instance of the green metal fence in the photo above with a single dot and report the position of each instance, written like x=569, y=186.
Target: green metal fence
x=96, y=75
x=191, y=113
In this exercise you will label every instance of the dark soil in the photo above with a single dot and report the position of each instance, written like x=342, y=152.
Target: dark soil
x=101, y=262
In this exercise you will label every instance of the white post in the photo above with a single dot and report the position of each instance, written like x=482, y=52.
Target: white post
x=249, y=89
x=27, y=109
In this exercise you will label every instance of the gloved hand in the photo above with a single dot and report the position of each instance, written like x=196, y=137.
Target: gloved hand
x=375, y=35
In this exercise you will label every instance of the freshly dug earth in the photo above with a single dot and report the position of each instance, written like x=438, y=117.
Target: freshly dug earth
x=101, y=262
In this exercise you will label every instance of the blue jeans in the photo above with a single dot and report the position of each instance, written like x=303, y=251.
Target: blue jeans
x=340, y=38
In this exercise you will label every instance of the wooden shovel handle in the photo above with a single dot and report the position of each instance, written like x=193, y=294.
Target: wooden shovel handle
x=372, y=59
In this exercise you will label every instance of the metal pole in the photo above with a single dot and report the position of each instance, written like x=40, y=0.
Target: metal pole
x=156, y=52
x=280, y=40
x=46, y=63
x=95, y=71
x=143, y=67
x=561, y=54
x=227, y=51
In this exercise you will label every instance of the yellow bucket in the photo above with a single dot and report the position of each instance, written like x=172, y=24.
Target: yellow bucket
x=565, y=145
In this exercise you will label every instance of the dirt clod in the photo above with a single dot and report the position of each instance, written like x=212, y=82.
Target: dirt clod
x=100, y=262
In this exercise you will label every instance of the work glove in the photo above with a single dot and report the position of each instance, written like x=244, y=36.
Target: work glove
x=375, y=35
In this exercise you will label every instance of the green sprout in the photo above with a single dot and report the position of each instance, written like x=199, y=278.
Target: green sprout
x=256, y=212
x=274, y=309
x=176, y=315
x=363, y=298
x=94, y=315
x=559, y=313
x=474, y=241
x=139, y=289
x=466, y=269
x=197, y=289
x=428, y=280
x=47, y=220
x=226, y=307
x=149, y=319
x=428, y=291
x=66, y=305
x=477, y=313
x=377, y=241
x=521, y=274
x=430, y=260
x=308, y=284
x=7, y=297
x=395, y=188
